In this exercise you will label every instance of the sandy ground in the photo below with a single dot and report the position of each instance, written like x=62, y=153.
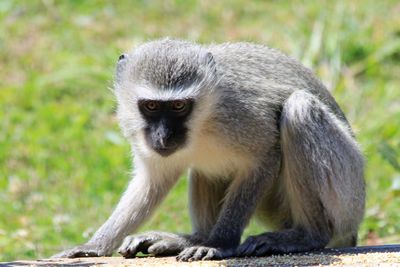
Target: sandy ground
x=361, y=256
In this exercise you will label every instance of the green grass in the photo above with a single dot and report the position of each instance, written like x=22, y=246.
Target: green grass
x=63, y=161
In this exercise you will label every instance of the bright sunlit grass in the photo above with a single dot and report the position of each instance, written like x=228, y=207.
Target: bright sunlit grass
x=63, y=161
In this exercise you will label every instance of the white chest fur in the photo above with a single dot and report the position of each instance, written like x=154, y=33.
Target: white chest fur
x=204, y=153
x=215, y=158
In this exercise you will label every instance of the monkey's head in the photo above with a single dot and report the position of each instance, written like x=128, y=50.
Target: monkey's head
x=164, y=90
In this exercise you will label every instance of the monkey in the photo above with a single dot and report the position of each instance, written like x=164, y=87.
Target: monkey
x=258, y=133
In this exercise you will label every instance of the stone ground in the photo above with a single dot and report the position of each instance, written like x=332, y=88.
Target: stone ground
x=388, y=255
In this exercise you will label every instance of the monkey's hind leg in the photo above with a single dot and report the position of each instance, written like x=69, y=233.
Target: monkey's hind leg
x=322, y=185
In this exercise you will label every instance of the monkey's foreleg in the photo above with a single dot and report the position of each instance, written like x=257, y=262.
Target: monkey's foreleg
x=144, y=193
x=205, y=196
x=322, y=182
x=239, y=204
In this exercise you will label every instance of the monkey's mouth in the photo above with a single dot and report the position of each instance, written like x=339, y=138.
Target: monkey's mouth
x=166, y=151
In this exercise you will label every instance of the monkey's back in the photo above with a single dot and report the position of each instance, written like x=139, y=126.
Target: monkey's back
x=256, y=80
x=249, y=63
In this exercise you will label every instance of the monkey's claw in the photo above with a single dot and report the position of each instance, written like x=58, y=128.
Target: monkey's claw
x=204, y=253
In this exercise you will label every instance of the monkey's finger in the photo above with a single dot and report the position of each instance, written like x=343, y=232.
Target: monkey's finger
x=199, y=254
x=80, y=251
x=186, y=254
x=159, y=249
x=164, y=248
x=213, y=254
x=247, y=248
x=143, y=246
x=123, y=249
x=132, y=245
x=262, y=250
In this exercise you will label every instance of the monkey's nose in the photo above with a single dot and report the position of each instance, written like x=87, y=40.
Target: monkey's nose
x=164, y=146
x=162, y=141
x=162, y=135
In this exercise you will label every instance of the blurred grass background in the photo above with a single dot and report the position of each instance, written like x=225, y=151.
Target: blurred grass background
x=63, y=162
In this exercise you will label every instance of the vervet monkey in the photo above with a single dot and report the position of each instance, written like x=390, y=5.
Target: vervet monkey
x=258, y=133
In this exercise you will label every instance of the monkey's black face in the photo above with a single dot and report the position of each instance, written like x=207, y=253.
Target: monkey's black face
x=166, y=129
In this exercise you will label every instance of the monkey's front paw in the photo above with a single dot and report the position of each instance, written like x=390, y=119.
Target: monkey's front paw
x=158, y=244
x=134, y=244
x=204, y=253
x=86, y=250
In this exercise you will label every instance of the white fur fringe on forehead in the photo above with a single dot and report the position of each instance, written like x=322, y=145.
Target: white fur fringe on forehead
x=144, y=92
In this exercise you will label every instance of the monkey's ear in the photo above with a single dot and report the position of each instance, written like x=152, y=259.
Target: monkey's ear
x=122, y=60
x=208, y=60
x=122, y=57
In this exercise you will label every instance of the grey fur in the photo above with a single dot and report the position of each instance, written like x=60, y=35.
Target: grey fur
x=204, y=213
x=265, y=138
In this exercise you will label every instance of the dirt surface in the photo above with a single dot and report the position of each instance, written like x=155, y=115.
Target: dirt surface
x=360, y=256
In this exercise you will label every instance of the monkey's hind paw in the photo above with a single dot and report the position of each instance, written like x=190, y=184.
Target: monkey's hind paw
x=254, y=246
x=204, y=253
x=283, y=242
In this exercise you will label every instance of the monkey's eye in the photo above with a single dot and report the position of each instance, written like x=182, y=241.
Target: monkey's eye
x=178, y=105
x=152, y=106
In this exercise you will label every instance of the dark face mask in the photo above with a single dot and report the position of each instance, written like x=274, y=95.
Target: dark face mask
x=166, y=129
